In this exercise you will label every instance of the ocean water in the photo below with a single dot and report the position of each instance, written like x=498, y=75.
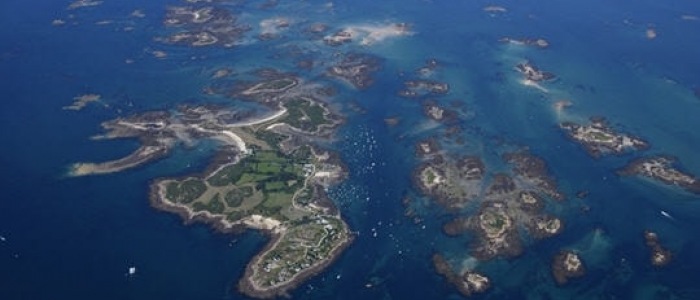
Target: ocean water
x=75, y=238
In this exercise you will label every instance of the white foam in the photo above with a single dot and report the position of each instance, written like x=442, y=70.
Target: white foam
x=369, y=34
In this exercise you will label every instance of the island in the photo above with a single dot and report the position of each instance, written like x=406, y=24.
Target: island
x=448, y=181
x=532, y=73
x=659, y=256
x=567, y=265
x=430, y=66
x=539, y=42
x=599, y=138
x=356, y=68
x=80, y=102
x=468, y=283
x=419, y=88
x=496, y=232
x=265, y=86
x=222, y=73
x=281, y=194
x=662, y=168
x=339, y=38
x=427, y=148
x=199, y=26
x=438, y=113
x=269, y=174
x=423, y=85
x=544, y=226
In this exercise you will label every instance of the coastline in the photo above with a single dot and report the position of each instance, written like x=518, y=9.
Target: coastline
x=247, y=287
x=188, y=216
x=137, y=158
x=274, y=232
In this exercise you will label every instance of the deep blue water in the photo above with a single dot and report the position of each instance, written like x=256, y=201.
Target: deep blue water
x=75, y=238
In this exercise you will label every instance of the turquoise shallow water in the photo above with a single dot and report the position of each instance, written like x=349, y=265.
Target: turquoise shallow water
x=76, y=237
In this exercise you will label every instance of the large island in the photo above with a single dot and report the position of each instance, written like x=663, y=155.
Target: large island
x=269, y=175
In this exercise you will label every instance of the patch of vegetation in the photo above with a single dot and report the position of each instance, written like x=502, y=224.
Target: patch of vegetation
x=305, y=115
x=269, y=174
x=304, y=197
x=227, y=175
x=236, y=215
x=302, y=154
x=429, y=176
x=234, y=198
x=185, y=191
x=214, y=206
x=271, y=138
x=274, y=186
x=496, y=221
x=601, y=136
x=277, y=200
x=273, y=212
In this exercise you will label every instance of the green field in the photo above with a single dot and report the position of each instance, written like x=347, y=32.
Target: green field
x=271, y=138
x=185, y=191
x=264, y=183
x=214, y=205
x=234, y=198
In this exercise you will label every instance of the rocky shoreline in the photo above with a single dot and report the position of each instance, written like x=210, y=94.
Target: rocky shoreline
x=357, y=69
x=268, y=175
x=659, y=256
x=599, y=138
x=567, y=265
x=219, y=223
x=535, y=170
x=468, y=283
x=662, y=169
x=249, y=288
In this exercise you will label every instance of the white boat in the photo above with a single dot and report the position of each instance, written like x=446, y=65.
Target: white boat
x=665, y=214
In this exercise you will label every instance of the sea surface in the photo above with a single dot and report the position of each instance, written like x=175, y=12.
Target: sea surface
x=76, y=238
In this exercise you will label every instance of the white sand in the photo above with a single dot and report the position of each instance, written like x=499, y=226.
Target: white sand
x=236, y=140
